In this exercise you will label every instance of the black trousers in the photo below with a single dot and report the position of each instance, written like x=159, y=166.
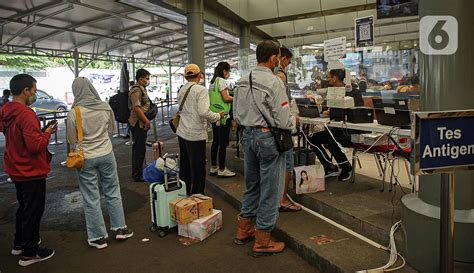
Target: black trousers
x=220, y=141
x=324, y=138
x=192, y=165
x=138, y=151
x=31, y=196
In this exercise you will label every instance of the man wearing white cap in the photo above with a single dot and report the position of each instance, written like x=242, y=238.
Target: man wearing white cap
x=192, y=129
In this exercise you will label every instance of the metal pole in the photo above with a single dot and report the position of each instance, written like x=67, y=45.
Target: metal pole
x=76, y=63
x=155, y=132
x=447, y=223
x=56, y=142
x=68, y=147
x=162, y=114
x=133, y=68
x=170, y=74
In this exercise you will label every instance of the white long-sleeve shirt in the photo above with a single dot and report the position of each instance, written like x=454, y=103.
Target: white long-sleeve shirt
x=195, y=113
x=97, y=125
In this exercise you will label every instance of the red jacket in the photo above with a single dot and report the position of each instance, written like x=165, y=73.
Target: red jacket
x=26, y=157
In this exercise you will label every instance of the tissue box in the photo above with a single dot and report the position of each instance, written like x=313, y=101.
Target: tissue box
x=184, y=210
x=202, y=228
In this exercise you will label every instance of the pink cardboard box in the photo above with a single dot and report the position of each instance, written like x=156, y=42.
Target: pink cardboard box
x=202, y=228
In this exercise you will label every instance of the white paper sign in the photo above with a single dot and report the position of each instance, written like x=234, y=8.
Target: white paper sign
x=389, y=110
x=334, y=49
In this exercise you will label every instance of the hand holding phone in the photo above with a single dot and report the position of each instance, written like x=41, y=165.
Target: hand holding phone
x=52, y=126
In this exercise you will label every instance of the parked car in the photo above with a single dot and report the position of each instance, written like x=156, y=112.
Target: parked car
x=157, y=92
x=47, y=102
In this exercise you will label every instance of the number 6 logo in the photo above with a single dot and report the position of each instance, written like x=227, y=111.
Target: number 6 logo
x=438, y=35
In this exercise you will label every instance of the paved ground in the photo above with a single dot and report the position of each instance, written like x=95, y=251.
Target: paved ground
x=63, y=228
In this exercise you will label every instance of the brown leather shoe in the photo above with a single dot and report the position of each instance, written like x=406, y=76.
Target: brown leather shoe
x=264, y=245
x=245, y=231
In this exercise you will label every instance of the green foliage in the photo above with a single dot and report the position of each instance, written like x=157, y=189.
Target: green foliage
x=37, y=63
x=24, y=63
x=82, y=63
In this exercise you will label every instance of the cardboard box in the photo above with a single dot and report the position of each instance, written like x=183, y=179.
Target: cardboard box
x=345, y=103
x=336, y=93
x=204, y=205
x=183, y=210
x=202, y=228
x=378, y=139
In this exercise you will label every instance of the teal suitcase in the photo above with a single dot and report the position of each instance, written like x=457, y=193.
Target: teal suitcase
x=160, y=197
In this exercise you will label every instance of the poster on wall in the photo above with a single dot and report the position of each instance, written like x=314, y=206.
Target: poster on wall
x=364, y=32
x=247, y=60
x=334, y=49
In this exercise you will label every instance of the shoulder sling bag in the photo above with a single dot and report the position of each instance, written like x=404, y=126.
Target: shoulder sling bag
x=282, y=137
x=153, y=109
x=75, y=159
x=174, y=121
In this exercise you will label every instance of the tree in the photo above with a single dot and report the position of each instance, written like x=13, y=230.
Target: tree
x=24, y=62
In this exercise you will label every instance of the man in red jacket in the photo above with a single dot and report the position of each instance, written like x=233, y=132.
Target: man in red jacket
x=26, y=160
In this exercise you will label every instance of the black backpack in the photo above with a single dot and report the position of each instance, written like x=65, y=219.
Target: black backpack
x=119, y=104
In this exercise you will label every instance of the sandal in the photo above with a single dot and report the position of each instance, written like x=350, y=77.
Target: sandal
x=291, y=207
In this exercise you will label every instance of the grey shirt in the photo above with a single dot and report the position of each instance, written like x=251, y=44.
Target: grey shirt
x=268, y=95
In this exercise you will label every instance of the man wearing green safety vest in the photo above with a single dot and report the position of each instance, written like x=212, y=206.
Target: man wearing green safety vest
x=220, y=101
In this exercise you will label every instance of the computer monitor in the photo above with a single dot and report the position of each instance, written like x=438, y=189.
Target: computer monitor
x=392, y=112
x=307, y=108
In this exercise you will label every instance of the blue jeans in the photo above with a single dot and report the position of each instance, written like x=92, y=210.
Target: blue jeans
x=289, y=160
x=102, y=168
x=264, y=169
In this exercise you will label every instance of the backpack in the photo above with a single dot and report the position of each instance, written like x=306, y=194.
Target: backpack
x=119, y=104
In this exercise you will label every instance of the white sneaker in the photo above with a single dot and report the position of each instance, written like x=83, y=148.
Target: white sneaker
x=213, y=171
x=130, y=142
x=225, y=173
x=99, y=243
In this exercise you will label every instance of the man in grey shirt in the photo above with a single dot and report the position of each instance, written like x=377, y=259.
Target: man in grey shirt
x=263, y=164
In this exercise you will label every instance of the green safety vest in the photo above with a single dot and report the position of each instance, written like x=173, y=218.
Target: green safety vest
x=217, y=102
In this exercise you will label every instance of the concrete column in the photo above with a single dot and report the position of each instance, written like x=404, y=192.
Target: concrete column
x=195, y=29
x=446, y=82
x=244, y=37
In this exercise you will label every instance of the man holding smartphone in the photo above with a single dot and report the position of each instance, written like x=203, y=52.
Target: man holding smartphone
x=26, y=161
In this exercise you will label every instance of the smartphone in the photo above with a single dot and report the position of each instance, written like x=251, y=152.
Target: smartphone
x=54, y=124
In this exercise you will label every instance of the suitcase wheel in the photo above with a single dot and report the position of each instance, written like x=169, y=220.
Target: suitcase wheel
x=153, y=228
x=161, y=233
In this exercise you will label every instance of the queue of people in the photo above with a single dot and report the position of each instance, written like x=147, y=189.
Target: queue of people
x=260, y=104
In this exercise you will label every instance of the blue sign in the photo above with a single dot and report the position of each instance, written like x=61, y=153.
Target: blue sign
x=446, y=142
